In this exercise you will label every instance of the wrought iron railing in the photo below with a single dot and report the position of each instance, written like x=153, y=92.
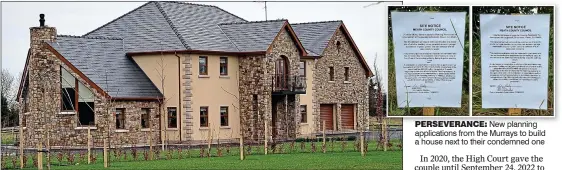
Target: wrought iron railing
x=288, y=83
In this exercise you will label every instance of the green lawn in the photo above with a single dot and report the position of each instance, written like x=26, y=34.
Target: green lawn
x=297, y=158
x=347, y=160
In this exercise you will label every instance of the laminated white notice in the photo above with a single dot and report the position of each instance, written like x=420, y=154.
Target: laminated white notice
x=514, y=60
x=428, y=57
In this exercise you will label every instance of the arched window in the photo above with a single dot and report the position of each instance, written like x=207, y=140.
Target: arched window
x=282, y=72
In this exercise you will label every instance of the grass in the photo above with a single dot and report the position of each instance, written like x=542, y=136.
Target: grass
x=477, y=109
x=334, y=158
x=8, y=138
x=393, y=103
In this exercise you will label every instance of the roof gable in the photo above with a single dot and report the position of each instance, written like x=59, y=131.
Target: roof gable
x=103, y=61
x=316, y=35
x=356, y=49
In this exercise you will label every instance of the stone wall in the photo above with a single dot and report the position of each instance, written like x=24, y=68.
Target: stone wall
x=338, y=92
x=44, y=119
x=256, y=73
x=253, y=82
x=287, y=123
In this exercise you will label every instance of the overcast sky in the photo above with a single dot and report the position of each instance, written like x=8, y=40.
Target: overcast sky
x=367, y=25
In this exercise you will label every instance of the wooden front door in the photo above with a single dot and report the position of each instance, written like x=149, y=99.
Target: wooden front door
x=348, y=116
x=327, y=114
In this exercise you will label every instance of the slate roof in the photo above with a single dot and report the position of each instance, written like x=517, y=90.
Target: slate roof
x=170, y=26
x=143, y=29
x=252, y=36
x=314, y=36
x=103, y=61
x=197, y=25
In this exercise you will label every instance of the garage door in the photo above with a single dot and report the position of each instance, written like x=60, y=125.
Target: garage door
x=347, y=116
x=327, y=114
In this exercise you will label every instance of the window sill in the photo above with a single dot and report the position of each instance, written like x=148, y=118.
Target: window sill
x=204, y=128
x=225, y=127
x=304, y=124
x=147, y=130
x=204, y=76
x=172, y=129
x=347, y=82
x=224, y=77
x=67, y=113
x=121, y=130
x=331, y=81
x=85, y=128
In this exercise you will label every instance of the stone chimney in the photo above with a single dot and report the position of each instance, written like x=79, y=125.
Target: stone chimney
x=41, y=34
x=43, y=70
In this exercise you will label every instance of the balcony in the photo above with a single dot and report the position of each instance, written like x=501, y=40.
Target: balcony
x=283, y=84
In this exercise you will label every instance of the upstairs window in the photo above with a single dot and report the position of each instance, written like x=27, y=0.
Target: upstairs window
x=346, y=73
x=203, y=69
x=331, y=72
x=224, y=66
x=302, y=68
x=172, y=117
x=120, y=118
x=68, y=91
x=224, y=115
x=145, y=118
x=76, y=97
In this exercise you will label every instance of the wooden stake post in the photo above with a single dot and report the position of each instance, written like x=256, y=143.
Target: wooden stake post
x=428, y=111
x=105, y=163
x=89, y=146
x=514, y=112
x=39, y=156
x=265, y=141
x=362, y=139
x=324, y=135
x=241, y=146
x=384, y=134
x=22, y=138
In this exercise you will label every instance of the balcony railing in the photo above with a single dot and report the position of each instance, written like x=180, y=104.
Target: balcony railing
x=286, y=84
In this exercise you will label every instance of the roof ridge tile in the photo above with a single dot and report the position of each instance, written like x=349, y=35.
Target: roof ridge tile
x=252, y=22
x=90, y=37
x=137, y=8
x=205, y=5
x=174, y=28
x=316, y=22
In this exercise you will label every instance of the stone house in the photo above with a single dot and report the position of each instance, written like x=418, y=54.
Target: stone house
x=175, y=72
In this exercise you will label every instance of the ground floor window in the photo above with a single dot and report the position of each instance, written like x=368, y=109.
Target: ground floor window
x=172, y=117
x=204, y=116
x=86, y=114
x=303, y=113
x=120, y=118
x=145, y=118
x=224, y=115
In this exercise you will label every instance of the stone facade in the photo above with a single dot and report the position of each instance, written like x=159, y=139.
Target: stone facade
x=255, y=81
x=43, y=117
x=256, y=75
x=338, y=92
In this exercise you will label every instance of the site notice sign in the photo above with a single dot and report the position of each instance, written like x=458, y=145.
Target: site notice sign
x=514, y=60
x=428, y=54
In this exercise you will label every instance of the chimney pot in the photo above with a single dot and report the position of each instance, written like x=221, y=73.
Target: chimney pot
x=42, y=20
